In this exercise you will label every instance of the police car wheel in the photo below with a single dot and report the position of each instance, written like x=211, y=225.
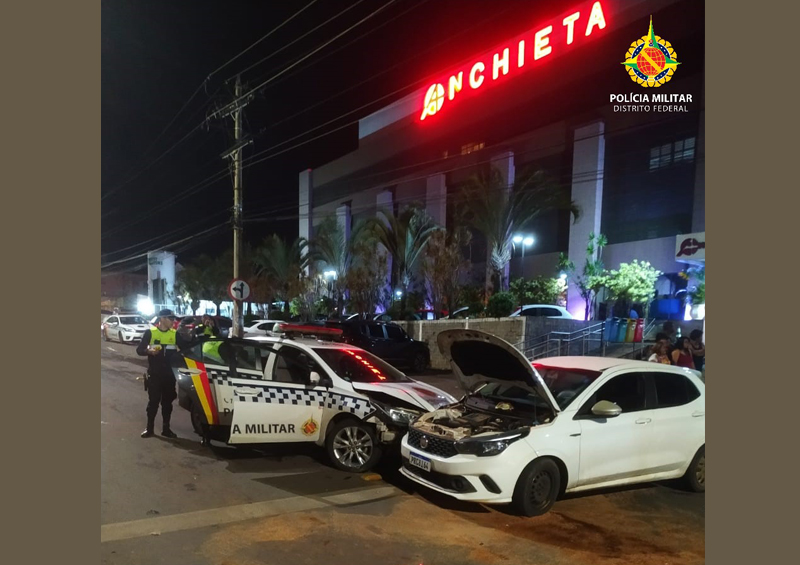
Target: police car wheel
x=353, y=446
x=198, y=419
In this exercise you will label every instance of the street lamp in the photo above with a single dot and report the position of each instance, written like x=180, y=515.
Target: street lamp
x=526, y=240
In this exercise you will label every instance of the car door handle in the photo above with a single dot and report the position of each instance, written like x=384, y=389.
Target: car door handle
x=246, y=391
x=187, y=371
x=643, y=421
x=698, y=414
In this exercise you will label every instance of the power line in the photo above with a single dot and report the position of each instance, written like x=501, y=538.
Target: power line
x=361, y=21
x=329, y=20
x=303, y=9
x=140, y=255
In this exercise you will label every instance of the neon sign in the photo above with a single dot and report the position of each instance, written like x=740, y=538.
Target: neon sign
x=525, y=50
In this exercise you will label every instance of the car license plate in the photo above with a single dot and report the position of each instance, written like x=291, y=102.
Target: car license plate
x=420, y=461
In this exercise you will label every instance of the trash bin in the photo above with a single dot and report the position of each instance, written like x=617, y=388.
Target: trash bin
x=622, y=329
x=611, y=329
x=629, y=330
x=638, y=333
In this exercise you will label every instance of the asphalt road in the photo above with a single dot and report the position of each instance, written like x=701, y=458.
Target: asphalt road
x=176, y=502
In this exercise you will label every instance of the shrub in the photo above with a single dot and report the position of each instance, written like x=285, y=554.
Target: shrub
x=501, y=304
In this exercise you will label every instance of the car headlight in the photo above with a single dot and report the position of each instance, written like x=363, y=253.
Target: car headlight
x=403, y=416
x=493, y=445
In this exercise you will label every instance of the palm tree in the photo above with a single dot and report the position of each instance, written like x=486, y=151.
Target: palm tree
x=404, y=236
x=282, y=265
x=330, y=247
x=498, y=213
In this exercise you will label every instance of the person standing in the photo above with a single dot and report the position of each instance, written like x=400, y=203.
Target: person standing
x=208, y=328
x=698, y=349
x=159, y=345
x=682, y=355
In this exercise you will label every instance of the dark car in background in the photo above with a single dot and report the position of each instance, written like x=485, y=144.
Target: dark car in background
x=387, y=341
x=187, y=325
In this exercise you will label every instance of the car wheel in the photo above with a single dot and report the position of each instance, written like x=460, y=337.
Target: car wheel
x=199, y=422
x=695, y=477
x=537, y=488
x=353, y=446
x=419, y=363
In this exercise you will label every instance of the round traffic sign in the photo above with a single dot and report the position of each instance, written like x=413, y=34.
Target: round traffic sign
x=238, y=290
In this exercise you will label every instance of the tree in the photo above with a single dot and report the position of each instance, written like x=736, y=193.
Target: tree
x=283, y=266
x=207, y=278
x=443, y=266
x=632, y=283
x=498, y=213
x=539, y=290
x=330, y=248
x=366, y=279
x=500, y=304
x=404, y=236
x=592, y=279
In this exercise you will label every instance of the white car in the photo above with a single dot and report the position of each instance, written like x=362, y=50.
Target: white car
x=543, y=311
x=125, y=328
x=299, y=388
x=529, y=432
x=260, y=327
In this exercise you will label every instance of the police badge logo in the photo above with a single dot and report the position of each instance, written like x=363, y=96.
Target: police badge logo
x=309, y=427
x=651, y=60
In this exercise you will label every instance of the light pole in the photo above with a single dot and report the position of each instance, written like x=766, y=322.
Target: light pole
x=527, y=241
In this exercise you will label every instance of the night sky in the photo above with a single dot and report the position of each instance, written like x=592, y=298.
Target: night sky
x=156, y=54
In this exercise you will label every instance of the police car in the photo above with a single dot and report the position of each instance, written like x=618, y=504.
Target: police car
x=302, y=385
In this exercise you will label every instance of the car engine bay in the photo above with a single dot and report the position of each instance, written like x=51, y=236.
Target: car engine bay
x=461, y=421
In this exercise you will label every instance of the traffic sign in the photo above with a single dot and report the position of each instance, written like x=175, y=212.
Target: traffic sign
x=238, y=290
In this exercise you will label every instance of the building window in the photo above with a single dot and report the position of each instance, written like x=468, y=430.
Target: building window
x=470, y=147
x=669, y=153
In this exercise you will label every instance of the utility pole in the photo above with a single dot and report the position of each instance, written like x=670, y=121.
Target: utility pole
x=235, y=109
x=238, y=322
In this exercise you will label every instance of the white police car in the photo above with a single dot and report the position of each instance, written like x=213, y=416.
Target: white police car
x=302, y=387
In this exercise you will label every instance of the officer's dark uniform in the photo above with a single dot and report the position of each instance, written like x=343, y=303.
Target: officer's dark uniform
x=161, y=381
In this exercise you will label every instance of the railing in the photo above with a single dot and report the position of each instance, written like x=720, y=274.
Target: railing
x=580, y=342
x=585, y=341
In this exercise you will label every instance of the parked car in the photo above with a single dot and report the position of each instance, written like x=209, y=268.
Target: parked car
x=460, y=313
x=388, y=341
x=527, y=433
x=187, y=324
x=260, y=327
x=544, y=311
x=301, y=387
x=124, y=328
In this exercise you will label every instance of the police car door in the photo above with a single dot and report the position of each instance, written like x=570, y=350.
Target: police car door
x=283, y=408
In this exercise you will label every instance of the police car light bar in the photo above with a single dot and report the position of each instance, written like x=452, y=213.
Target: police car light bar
x=299, y=330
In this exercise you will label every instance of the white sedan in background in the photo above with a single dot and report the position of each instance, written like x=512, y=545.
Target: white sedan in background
x=527, y=433
x=543, y=311
x=124, y=328
x=261, y=327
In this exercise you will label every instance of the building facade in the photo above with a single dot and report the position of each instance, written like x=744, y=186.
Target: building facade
x=556, y=99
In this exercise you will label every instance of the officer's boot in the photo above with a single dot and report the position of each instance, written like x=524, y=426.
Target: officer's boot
x=151, y=423
x=165, y=431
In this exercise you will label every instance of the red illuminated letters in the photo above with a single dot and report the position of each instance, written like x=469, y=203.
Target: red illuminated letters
x=548, y=39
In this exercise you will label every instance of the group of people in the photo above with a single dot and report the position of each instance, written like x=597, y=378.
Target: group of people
x=159, y=344
x=683, y=351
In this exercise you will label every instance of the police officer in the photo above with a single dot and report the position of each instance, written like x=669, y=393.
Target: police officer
x=159, y=345
x=208, y=328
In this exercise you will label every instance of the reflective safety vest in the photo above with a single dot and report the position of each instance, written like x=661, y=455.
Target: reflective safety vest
x=208, y=331
x=163, y=338
x=211, y=352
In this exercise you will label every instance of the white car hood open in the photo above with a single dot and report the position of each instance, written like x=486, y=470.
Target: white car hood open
x=427, y=397
x=478, y=357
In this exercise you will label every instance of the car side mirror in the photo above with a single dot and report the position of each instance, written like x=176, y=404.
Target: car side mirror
x=606, y=409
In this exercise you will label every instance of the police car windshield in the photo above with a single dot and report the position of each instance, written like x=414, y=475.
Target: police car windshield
x=357, y=366
x=132, y=320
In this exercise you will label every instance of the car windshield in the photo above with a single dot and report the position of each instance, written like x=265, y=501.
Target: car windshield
x=132, y=320
x=358, y=366
x=566, y=384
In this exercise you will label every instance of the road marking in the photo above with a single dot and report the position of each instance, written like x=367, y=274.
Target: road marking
x=215, y=516
x=111, y=348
